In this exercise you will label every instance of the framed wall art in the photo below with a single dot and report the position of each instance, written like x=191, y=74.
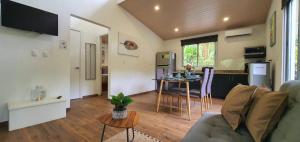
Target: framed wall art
x=273, y=29
x=128, y=45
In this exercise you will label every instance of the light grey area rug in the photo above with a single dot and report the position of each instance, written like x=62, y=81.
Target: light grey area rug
x=139, y=137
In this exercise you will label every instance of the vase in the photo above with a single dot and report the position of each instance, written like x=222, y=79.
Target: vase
x=119, y=114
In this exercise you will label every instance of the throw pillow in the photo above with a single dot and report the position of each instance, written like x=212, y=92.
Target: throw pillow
x=265, y=113
x=236, y=104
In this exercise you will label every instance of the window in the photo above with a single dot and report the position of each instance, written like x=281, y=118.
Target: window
x=190, y=55
x=199, y=52
x=292, y=64
x=207, y=52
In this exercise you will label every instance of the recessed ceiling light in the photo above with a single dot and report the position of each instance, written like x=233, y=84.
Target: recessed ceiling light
x=176, y=30
x=226, y=19
x=156, y=7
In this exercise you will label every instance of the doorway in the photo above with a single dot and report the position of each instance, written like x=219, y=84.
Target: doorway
x=104, y=64
x=86, y=57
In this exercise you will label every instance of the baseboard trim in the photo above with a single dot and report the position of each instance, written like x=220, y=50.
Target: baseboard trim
x=142, y=93
x=89, y=96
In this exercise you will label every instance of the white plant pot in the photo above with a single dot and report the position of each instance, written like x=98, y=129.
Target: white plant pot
x=119, y=114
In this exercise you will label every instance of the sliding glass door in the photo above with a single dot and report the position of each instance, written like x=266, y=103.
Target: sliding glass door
x=292, y=65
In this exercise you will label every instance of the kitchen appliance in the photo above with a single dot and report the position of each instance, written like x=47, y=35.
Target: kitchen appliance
x=259, y=74
x=165, y=66
x=254, y=55
x=255, y=52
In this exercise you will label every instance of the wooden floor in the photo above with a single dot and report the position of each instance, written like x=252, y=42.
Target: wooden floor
x=81, y=124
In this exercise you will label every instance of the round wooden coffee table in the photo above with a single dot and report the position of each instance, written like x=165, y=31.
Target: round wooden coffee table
x=129, y=122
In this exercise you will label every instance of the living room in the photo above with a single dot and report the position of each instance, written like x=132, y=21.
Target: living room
x=36, y=60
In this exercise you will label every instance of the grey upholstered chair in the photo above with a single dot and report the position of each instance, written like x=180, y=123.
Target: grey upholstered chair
x=209, y=84
x=197, y=93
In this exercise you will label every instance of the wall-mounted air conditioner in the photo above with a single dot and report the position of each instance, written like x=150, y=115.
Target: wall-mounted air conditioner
x=239, y=32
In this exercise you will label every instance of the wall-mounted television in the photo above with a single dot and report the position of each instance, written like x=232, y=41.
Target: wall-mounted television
x=19, y=16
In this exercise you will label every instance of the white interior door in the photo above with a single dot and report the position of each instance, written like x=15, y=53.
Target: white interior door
x=75, y=44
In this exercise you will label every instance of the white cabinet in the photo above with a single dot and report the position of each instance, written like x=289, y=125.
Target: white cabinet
x=24, y=114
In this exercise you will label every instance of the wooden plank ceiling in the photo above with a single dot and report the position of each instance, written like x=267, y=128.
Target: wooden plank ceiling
x=194, y=17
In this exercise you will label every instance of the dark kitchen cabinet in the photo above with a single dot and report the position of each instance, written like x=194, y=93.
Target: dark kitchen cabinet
x=223, y=83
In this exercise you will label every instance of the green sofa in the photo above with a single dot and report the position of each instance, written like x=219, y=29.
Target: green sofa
x=213, y=128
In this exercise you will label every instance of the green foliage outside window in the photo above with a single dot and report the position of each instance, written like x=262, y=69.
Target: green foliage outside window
x=190, y=55
x=199, y=55
x=207, y=54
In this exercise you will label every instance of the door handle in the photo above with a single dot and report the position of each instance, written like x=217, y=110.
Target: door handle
x=77, y=68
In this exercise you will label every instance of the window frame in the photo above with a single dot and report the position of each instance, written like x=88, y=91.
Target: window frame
x=287, y=43
x=199, y=66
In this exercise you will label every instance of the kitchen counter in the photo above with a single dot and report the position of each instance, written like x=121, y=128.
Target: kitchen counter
x=223, y=82
x=238, y=72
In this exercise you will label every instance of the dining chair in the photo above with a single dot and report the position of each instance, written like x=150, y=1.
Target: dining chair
x=209, y=84
x=197, y=93
x=169, y=94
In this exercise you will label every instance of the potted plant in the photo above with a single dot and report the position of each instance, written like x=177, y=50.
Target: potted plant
x=189, y=67
x=188, y=71
x=120, y=101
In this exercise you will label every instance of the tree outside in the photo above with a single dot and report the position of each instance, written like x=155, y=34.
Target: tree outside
x=207, y=54
x=190, y=55
x=199, y=55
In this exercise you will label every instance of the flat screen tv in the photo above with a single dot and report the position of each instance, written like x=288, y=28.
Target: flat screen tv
x=24, y=17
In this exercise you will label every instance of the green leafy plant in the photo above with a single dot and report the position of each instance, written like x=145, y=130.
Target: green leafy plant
x=121, y=101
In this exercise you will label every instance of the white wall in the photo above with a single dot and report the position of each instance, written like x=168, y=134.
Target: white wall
x=275, y=53
x=230, y=51
x=90, y=33
x=20, y=72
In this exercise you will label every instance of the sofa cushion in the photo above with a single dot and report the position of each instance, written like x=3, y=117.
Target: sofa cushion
x=289, y=125
x=213, y=128
x=236, y=104
x=265, y=114
x=259, y=92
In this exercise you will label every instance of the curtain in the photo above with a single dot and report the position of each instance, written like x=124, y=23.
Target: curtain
x=285, y=3
x=213, y=38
